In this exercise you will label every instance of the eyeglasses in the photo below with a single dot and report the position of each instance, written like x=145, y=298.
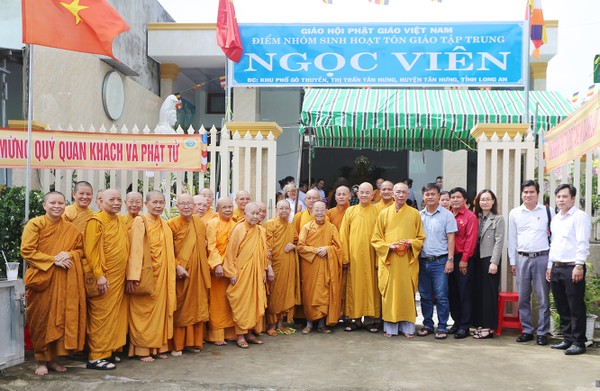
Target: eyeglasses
x=188, y=204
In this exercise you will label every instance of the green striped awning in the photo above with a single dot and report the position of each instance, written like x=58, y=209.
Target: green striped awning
x=416, y=120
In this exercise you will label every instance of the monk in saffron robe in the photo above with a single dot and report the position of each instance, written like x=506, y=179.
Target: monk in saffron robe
x=284, y=292
x=202, y=208
x=56, y=310
x=133, y=202
x=304, y=217
x=151, y=315
x=242, y=198
x=398, y=238
x=218, y=230
x=193, y=277
x=209, y=195
x=245, y=265
x=377, y=191
x=79, y=213
x=319, y=249
x=342, y=199
x=106, y=248
x=387, y=196
x=362, y=295
x=99, y=199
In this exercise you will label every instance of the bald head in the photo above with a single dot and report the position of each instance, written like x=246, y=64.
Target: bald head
x=400, y=194
x=342, y=195
x=386, y=190
x=225, y=208
x=242, y=198
x=319, y=212
x=263, y=211
x=111, y=201
x=134, y=202
x=185, y=206
x=200, y=204
x=208, y=194
x=365, y=193
x=283, y=210
x=252, y=213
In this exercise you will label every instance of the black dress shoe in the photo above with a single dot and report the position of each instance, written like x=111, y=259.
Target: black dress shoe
x=525, y=337
x=574, y=349
x=542, y=340
x=460, y=334
x=452, y=330
x=564, y=345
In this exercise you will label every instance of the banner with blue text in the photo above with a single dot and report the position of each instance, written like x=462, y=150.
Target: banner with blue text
x=410, y=55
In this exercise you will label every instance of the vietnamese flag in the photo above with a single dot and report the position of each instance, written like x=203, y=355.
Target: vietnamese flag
x=228, y=31
x=88, y=26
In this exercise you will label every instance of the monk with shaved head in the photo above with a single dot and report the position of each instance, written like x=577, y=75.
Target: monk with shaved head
x=387, y=196
x=106, y=248
x=193, y=277
x=79, y=212
x=242, y=198
x=304, y=217
x=362, y=295
x=134, y=203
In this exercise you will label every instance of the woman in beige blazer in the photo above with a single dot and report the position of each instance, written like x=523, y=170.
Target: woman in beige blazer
x=487, y=266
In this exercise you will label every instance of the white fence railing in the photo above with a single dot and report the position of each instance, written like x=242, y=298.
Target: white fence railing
x=242, y=160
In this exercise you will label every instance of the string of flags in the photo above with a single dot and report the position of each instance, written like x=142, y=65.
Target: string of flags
x=380, y=2
x=577, y=97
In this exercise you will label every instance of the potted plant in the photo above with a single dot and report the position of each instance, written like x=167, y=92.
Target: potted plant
x=592, y=300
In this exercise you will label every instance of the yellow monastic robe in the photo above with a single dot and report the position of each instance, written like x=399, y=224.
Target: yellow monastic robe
x=78, y=216
x=284, y=292
x=106, y=247
x=320, y=276
x=398, y=275
x=128, y=219
x=56, y=311
x=208, y=215
x=381, y=205
x=238, y=216
x=189, y=238
x=151, y=316
x=336, y=215
x=376, y=196
x=221, y=324
x=301, y=219
x=246, y=260
x=362, y=296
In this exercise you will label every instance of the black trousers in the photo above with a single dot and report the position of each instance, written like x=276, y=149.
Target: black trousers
x=569, y=301
x=485, y=294
x=460, y=293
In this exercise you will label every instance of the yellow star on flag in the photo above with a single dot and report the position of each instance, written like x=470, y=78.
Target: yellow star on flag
x=74, y=8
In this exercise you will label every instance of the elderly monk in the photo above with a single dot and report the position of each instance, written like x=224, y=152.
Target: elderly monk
x=387, y=195
x=262, y=208
x=209, y=195
x=151, y=315
x=202, y=208
x=398, y=238
x=304, y=217
x=193, y=277
x=319, y=249
x=242, y=198
x=377, y=191
x=285, y=288
x=218, y=230
x=56, y=311
x=245, y=265
x=342, y=199
x=133, y=202
x=79, y=213
x=362, y=296
x=99, y=199
x=106, y=248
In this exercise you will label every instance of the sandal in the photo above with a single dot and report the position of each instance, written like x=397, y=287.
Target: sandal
x=272, y=332
x=352, y=327
x=424, y=332
x=307, y=330
x=242, y=344
x=324, y=330
x=441, y=335
x=371, y=328
x=101, y=365
x=483, y=334
x=254, y=340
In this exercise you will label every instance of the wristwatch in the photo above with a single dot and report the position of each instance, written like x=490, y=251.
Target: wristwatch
x=451, y=258
x=579, y=266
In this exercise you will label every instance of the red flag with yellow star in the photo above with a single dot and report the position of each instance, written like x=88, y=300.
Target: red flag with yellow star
x=88, y=26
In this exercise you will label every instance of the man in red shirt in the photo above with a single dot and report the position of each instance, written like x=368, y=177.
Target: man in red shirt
x=460, y=283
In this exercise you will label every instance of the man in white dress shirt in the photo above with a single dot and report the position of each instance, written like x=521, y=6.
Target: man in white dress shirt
x=528, y=244
x=566, y=268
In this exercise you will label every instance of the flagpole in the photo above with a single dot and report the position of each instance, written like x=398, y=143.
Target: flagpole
x=526, y=47
x=29, y=115
x=227, y=91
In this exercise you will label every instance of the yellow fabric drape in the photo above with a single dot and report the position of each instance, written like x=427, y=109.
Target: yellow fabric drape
x=336, y=215
x=78, y=216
